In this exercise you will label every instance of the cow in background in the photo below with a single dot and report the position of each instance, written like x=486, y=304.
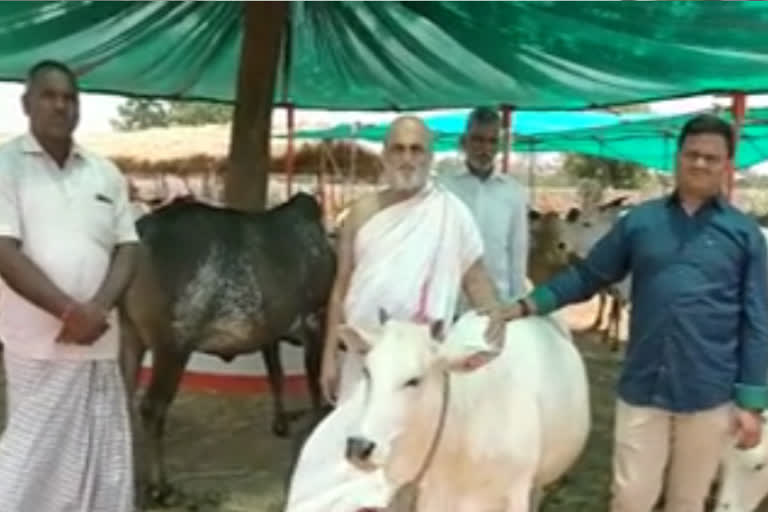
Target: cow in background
x=581, y=231
x=223, y=282
x=548, y=252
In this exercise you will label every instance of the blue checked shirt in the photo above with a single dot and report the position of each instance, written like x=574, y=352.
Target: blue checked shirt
x=699, y=314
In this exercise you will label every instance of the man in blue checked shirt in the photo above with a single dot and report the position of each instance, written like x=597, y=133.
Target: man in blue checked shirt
x=697, y=358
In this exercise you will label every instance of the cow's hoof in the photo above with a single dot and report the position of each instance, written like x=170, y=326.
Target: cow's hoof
x=296, y=415
x=163, y=495
x=213, y=498
x=280, y=427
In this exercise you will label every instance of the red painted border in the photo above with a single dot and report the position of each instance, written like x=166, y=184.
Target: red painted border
x=251, y=384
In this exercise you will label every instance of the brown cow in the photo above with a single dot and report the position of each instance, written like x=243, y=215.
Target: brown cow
x=223, y=282
x=548, y=253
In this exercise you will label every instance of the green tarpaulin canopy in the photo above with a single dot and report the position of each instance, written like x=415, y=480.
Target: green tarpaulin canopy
x=646, y=139
x=447, y=128
x=651, y=142
x=405, y=55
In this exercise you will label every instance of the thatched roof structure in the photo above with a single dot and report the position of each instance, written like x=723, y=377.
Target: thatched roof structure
x=185, y=150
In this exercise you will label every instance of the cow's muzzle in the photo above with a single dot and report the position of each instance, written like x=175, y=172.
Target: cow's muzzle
x=359, y=449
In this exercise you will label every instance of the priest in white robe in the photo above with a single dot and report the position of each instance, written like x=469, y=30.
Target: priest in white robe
x=408, y=250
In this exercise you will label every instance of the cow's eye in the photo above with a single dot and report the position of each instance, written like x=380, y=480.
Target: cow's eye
x=412, y=383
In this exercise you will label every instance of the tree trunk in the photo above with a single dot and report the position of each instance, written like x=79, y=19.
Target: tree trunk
x=249, y=159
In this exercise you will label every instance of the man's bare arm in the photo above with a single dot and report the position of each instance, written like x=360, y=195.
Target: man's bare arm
x=344, y=266
x=478, y=287
x=25, y=278
x=359, y=213
x=120, y=272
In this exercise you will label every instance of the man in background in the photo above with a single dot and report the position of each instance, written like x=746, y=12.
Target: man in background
x=498, y=203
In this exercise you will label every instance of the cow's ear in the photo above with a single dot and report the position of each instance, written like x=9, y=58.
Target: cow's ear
x=614, y=203
x=467, y=361
x=573, y=215
x=354, y=339
x=465, y=351
x=437, y=330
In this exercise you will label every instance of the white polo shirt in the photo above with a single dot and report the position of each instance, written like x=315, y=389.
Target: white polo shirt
x=69, y=220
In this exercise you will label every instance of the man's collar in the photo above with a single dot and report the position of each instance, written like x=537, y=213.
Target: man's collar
x=493, y=175
x=718, y=200
x=30, y=144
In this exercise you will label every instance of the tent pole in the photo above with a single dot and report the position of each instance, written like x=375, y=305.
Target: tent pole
x=328, y=217
x=506, y=113
x=738, y=110
x=532, y=176
x=246, y=181
x=289, y=154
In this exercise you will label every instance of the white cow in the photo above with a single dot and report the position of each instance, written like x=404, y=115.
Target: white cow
x=744, y=473
x=743, y=481
x=581, y=231
x=511, y=426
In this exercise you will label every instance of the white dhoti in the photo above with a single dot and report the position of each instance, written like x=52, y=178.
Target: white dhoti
x=67, y=440
x=410, y=260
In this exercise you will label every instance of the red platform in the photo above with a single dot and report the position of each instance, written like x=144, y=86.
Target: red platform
x=244, y=384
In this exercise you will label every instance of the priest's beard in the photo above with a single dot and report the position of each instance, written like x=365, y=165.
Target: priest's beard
x=407, y=179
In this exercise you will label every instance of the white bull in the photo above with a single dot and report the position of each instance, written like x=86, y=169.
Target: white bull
x=744, y=473
x=511, y=427
x=581, y=231
x=743, y=477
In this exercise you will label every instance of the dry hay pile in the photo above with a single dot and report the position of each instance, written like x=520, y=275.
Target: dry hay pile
x=337, y=161
x=341, y=159
x=195, y=165
x=561, y=199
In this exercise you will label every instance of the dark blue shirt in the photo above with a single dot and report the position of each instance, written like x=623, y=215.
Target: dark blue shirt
x=699, y=306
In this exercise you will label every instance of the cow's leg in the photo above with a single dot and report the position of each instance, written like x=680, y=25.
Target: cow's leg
x=600, y=307
x=132, y=352
x=271, y=355
x=535, y=501
x=606, y=336
x=519, y=495
x=616, y=322
x=313, y=356
x=167, y=369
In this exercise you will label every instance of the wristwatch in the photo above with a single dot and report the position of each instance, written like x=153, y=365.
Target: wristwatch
x=524, y=309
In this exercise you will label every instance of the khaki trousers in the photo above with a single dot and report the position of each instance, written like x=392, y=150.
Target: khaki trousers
x=651, y=443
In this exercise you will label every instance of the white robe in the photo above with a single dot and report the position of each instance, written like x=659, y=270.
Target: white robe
x=409, y=260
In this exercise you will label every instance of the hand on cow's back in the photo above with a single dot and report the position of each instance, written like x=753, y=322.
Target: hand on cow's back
x=496, y=331
x=499, y=316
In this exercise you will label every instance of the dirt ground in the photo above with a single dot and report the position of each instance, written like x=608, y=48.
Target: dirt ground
x=220, y=447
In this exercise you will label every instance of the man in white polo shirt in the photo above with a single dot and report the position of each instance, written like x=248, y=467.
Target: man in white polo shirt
x=67, y=251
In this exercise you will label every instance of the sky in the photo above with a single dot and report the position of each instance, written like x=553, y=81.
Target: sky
x=97, y=110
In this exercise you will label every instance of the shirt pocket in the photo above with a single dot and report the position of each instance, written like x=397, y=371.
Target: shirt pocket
x=718, y=257
x=98, y=210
